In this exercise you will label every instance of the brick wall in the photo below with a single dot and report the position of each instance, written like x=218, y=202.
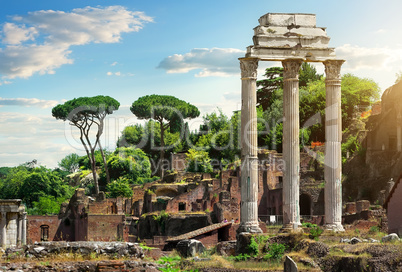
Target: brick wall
x=81, y=228
x=138, y=193
x=187, y=198
x=101, y=207
x=34, y=224
x=209, y=239
x=105, y=227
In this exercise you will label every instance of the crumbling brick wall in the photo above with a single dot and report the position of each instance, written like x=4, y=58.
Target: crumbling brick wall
x=105, y=227
x=34, y=227
x=186, y=199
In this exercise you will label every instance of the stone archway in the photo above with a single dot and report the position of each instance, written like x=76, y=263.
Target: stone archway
x=166, y=191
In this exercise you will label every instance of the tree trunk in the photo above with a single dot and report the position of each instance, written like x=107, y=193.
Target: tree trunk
x=91, y=158
x=162, y=156
x=100, y=131
x=104, y=163
x=94, y=171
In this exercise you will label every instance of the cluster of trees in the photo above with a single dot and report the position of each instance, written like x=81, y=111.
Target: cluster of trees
x=217, y=142
x=141, y=149
x=128, y=164
x=41, y=189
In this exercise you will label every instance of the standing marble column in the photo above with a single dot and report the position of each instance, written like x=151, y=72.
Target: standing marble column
x=3, y=227
x=291, y=149
x=333, y=136
x=24, y=229
x=19, y=229
x=249, y=148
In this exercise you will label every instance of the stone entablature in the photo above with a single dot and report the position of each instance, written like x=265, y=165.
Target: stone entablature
x=290, y=30
x=282, y=36
x=13, y=222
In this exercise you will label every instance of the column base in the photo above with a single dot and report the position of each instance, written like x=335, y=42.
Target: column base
x=334, y=227
x=251, y=228
x=291, y=228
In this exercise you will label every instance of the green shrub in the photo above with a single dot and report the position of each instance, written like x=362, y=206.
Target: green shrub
x=374, y=229
x=308, y=225
x=275, y=251
x=315, y=232
x=46, y=205
x=240, y=257
x=119, y=187
x=161, y=219
x=169, y=261
x=198, y=161
x=351, y=145
x=253, y=247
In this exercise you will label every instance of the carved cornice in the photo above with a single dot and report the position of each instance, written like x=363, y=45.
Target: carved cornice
x=333, y=69
x=291, y=68
x=248, y=68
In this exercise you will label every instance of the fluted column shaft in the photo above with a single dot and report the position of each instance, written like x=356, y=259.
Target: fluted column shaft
x=19, y=229
x=291, y=149
x=249, y=147
x=3, y=226
x=24, y=229
x=333, y=138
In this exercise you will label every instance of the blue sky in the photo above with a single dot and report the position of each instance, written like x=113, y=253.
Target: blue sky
x=53, y=51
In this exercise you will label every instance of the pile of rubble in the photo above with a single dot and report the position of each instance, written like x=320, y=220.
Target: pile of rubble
x=44, y=249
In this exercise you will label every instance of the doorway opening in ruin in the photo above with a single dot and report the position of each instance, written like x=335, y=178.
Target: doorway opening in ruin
x=305, y=204
x=392, y=143
x=44, y=233
x=182, y=206
x=223, y=234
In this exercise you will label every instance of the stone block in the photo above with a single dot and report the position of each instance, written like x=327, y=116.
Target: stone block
x=227, y=248
x=390, y=237
x=243, y=241
x=290, y=265
x=287, y=19
x=350, y=207
x=362, y=205
x=189, y=248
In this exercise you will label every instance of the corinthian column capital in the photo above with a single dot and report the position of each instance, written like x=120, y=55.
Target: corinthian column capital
x=248, y=68
x=291, y=68
x=333, y=69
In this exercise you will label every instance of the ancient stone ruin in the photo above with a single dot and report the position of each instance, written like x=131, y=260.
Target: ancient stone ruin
x=13, y=223
x=291, y=39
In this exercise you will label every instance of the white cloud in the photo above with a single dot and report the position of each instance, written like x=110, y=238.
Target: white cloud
x=5, y=82
x=363, y=57
x=14, y=34
x=24, y=61
x=28, y=102
x=232, y=96
x=380, y=31
x=212, y=62
x=24, y=54
x=114, y=63
x=379, y=64
x=89, y=24
x=24, y=137
x=118, y=74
